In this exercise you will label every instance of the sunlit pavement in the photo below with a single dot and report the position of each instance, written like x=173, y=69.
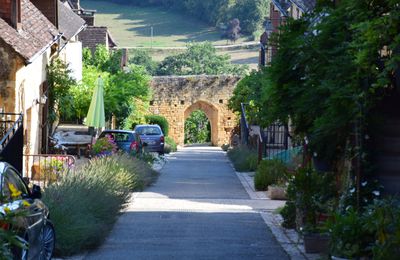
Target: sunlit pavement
x=198, y=209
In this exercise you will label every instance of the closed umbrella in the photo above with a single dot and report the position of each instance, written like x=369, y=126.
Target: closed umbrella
x=95, y=116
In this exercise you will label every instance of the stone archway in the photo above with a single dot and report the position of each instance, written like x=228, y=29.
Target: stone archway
x=211, y=113
x=176, y=97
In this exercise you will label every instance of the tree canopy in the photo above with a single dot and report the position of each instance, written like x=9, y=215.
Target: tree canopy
x=199, y=58
x=332, y=68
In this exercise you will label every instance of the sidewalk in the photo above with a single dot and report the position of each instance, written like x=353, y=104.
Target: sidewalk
x=288, y=238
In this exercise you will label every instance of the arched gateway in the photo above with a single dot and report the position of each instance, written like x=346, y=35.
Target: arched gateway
x=176, y=97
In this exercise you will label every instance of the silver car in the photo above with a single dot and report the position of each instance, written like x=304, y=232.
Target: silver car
x=151, y=137
x=32, y=226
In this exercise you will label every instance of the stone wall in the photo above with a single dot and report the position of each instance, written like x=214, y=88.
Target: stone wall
x=176, y=97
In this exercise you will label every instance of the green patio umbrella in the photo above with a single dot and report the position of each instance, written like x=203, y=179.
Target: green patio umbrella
x=95, y=116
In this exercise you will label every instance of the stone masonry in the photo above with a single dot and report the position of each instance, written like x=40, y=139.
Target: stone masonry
x=176, y=97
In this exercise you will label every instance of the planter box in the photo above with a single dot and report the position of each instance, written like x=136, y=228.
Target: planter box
x=276, y=193
x=316, y=243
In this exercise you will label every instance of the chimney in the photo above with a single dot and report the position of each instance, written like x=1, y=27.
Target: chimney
x=10, y=11
x=49, y=8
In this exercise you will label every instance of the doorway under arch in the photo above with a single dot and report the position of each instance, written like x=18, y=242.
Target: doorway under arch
x=197, y=128
x=211, y=113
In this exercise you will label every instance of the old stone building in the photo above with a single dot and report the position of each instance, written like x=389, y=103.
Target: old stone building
x=32, y=33
x=280, y=10
x=176, y=97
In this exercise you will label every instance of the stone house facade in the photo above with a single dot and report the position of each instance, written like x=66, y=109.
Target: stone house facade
x=31, y=35
x=280, y=11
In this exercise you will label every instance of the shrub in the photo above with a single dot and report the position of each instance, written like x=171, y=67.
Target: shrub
x=373, y=232
x=243, y=158
x=158, y=120
x=269, y=172
x=93, y=197
x=309, y=194
x=104, y=146
x=170, y=145
x=225, y=147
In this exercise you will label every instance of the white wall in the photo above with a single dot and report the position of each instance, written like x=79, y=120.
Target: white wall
x=73, y=57
x=29, y=79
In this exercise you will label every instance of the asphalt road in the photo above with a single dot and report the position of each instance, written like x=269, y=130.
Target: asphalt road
x=198, y=209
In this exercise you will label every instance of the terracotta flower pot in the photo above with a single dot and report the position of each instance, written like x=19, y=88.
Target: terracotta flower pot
x=276, y=192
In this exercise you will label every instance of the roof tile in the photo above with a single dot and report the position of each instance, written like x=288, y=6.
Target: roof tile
x=37, y=32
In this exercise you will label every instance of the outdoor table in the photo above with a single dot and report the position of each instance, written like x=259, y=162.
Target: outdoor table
x=77, y=145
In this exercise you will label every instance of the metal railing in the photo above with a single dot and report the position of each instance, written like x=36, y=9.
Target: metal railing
x=9, y=124
x=277, y=144
x=44, y=169
x=244, y=127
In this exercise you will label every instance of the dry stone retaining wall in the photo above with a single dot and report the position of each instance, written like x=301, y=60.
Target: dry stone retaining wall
x=176, y=97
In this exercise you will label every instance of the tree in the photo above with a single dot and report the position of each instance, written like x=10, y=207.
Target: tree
x=325, y=84
x=120, y=86
x=60, y=82
x=143, y=58
x=197, y=128
x=199, y=58
x=233, y=30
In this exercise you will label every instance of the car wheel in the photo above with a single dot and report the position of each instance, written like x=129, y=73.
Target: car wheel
x=48, y=241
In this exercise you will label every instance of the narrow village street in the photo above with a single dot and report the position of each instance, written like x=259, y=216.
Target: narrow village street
x=198, y=209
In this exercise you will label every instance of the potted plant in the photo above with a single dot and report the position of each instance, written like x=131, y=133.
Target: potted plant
x=312, y=193
x=272, y=175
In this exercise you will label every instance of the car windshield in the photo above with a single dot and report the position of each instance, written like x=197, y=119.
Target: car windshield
x=119, y=137
x=148, y=130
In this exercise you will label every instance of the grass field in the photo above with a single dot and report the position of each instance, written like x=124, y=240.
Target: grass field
x=131, y=26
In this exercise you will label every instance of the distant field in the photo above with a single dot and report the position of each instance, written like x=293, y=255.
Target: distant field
x=131, y=26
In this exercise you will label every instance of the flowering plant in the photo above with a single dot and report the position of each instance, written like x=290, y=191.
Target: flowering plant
x=11, y=209
x=104, y=146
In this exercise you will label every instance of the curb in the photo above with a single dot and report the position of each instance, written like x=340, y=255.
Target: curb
x=288, y=239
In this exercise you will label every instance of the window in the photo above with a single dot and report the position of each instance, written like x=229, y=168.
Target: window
x=148, y=130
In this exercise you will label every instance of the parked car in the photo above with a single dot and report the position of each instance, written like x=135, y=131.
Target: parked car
x=152, y=137
x=32, y=224
x=126, y=140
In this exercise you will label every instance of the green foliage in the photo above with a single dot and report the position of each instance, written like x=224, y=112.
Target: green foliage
x=251, y=14
x=137, y=116
x=382, y=218
x=9, y=237
x=170, y=145
x=199, y=58
x=270, y=172
x=243, y=159
x=197, y=128
x=104, y=146
x=309, y=194
x=121, y=87
x=103, y=59
x=348, y=236
x=323, y=83
x=248, y=91
x=158, y=120
x=60, y=82
x=143, y=58
x=93, y=197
